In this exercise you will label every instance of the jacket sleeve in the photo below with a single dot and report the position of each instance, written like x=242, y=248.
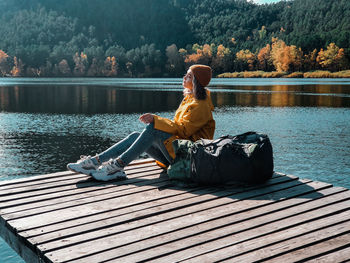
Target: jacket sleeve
x=195, y=117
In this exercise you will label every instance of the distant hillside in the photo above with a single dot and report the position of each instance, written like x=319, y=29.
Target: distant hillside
x=41, y=31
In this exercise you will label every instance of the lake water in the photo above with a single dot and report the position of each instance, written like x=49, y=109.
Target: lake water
x=46, y=123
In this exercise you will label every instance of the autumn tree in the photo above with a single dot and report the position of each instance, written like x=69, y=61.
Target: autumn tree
x=5, y=65
x=221, y=61
x=295, y=58
x=333, y=58
x=309, y=61
x=264, y=58
x=110, y=67
x=203, y=55
x=245, y=58
x=285, y=58
x=17, y=69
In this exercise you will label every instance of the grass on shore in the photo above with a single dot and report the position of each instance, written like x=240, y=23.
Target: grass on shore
x=275, y=74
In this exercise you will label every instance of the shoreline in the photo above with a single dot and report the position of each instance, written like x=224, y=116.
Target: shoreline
x=320, y=74
x=275, y=74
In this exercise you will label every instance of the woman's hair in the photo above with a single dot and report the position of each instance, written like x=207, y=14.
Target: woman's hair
x=199, y=91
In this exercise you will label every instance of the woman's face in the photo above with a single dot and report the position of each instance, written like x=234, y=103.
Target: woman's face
x=187, y=81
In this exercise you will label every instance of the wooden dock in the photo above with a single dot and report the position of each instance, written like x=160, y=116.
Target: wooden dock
x=68, y=217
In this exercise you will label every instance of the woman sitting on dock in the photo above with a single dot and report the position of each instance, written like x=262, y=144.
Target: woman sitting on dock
x=193, y=120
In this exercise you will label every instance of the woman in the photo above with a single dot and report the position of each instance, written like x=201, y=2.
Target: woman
x=193, y=120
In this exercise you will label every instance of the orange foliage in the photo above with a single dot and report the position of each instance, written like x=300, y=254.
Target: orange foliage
x=220, y=60
x=285, y=57
x=333, y=58
x=203, y=55
x=3, y=55
x=4, y=65
x=110, y=67
x=246, y=56
x=264, y=57
x=17, y=68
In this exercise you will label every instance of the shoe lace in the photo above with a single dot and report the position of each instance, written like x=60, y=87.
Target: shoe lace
x=111, y=166
x=85, y=159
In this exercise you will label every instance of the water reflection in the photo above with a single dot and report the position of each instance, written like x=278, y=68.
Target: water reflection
x=84, y=99
x=107, y=99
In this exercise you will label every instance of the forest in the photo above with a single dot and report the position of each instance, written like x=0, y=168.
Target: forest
x=161, y=38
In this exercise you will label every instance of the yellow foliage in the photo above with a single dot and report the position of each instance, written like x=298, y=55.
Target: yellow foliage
x=17, y=68
x=196, y=46
x=252, y=74
x=83, y=56
x=284, y=57
x=318, y=74
x=231, y=75
x=332, y=58
x=222, y=51
x=246, y=56
x=295, y=75
x=264, y=57
x=341, y=74
x=203, y=54
x=111, y=67
x=183, y=51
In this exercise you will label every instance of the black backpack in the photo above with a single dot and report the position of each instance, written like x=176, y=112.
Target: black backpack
x=245, y=158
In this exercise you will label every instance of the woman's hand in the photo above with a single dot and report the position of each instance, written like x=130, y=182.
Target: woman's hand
x=146, y=118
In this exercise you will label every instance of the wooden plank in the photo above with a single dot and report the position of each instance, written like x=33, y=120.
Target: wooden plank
x=187, y=246
x=342, y=237
x=257, y=237
x=86, y=211
x=339, y=255
x=289, y=241
x=31, y=183
x=136, y=210
x=59, y=175
x=44, y=207
x=87, y=188
x=34, y=178
x=72, y=219
x=58, y=200
x=152, y=202
x=73, y=187
x=153, y=229
x=24, y=191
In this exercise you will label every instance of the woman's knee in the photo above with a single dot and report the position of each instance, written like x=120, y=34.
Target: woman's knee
x=150, y=127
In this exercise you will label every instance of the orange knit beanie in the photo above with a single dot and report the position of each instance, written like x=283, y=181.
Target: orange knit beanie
x=202, y=73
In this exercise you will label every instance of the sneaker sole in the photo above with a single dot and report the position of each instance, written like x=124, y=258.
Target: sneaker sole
x=118, y=175
x=82, y=171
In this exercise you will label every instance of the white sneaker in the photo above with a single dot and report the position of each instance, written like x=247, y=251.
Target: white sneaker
x=85, y=165
x=109, y=171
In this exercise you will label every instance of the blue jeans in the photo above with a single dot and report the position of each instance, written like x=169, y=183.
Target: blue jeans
x=150, y=140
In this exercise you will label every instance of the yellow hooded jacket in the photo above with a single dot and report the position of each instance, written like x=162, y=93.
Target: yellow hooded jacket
x=193, y=120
